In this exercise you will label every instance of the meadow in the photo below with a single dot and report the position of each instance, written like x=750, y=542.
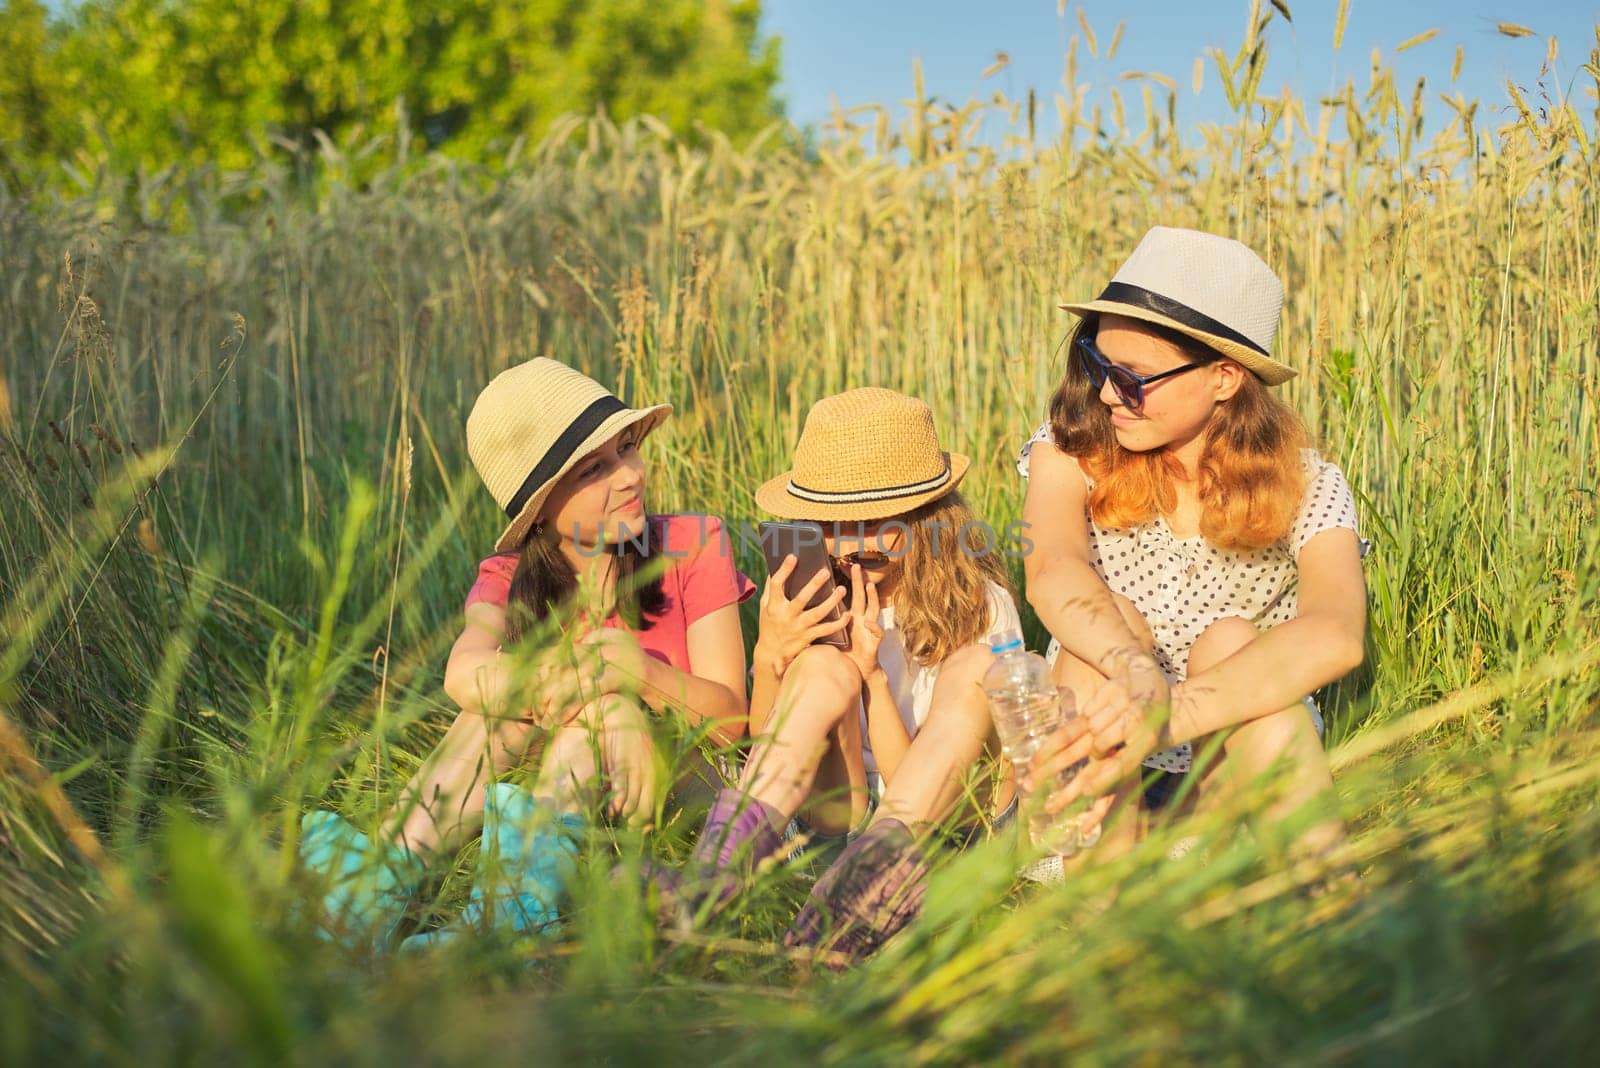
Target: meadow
x=237, y=521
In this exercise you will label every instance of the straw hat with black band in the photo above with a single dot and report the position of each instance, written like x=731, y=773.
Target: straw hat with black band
x=532, y=424
x=863, y=455
x=1210, y=288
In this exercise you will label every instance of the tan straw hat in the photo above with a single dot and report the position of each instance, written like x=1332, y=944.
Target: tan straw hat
x=864, y=454
x=1211, y=288
x=532, y=424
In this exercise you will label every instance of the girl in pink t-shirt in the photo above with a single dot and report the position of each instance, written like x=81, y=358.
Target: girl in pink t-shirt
x=591, y=618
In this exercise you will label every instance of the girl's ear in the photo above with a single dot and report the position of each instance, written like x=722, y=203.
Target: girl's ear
x=1230, y=378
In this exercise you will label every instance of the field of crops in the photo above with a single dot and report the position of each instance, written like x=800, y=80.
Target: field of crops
x=237, y=522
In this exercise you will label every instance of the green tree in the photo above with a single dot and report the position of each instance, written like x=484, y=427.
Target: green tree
x=35, y=122
x=188, y=82
x=515, y=66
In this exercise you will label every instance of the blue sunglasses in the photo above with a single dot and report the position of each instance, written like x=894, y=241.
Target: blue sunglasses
x=1128, y=385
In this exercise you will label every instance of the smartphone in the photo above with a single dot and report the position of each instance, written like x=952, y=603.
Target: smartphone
x=803, y=541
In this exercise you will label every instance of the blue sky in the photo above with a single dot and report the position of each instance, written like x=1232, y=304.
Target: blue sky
x=861, y=51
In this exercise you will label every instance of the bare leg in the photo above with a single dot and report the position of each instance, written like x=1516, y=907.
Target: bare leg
x=928, y=782
x=568, y=768
x=819, y=692
x=838, y=801
x=804, y=750
x=620, y=727
x=442, y=806
x=877, y=884
x=1283, y=743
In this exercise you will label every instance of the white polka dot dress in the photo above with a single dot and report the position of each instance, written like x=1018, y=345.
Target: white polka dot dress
x=1183, y=585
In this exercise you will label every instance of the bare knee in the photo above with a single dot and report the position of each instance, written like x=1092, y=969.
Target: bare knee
x=505, y=739
x=820, y=663
x=613, y=704
x=1286, y=732
x=1219, y=641
x=821, y=678
x=966, y=665
x=591, y=715
x=570, y=751
x=569, y=765
x=626, y=714
x=569, y=758
x=959, y=689
x=818, y=690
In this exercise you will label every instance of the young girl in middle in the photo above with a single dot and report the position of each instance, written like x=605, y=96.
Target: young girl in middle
x=892, y=725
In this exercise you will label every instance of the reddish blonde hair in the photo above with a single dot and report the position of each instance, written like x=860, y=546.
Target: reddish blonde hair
x=1252, y=480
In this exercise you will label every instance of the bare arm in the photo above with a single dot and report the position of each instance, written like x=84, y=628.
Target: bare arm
x=1320, y=645
x=1066, y=592
x=483, y=679
x=478, y=677
x=886, y=731
x=767, y=677
x=714, y=688
x=786, y=628
x=443, y=798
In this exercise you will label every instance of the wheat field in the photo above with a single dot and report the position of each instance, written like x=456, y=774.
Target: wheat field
x=238, y=520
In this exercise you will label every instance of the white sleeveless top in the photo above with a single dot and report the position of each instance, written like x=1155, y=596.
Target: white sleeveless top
x=912, y=683
x=1183, y=585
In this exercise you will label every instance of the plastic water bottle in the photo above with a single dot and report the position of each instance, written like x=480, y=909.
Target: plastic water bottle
x=1027, y=707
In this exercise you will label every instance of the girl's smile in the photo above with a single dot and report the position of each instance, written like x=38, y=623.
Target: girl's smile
x=1122, y=417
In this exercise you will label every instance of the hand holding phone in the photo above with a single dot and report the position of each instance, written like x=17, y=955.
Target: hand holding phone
x=803, y=604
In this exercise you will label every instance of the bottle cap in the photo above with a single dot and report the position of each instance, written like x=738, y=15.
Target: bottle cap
x=1006, y=641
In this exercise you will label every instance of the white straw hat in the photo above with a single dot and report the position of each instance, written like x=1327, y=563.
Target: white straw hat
x=532, y=424
x=864, y=454
x=1211, y=288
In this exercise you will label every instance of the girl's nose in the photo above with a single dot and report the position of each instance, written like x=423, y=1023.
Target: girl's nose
x=1108, y=393
x=629, y=477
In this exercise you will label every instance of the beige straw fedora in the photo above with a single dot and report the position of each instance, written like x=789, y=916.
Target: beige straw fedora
x=864, y=454
x=532, y=424
x=1211, y=288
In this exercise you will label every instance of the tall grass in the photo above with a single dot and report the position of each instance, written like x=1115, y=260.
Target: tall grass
x=238, y=521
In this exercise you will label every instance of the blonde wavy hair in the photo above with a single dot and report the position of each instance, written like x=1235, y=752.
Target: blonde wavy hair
x=1252, y=480
x=947, y=606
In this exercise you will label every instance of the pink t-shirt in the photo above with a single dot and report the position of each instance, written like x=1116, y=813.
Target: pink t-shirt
x=700, y=578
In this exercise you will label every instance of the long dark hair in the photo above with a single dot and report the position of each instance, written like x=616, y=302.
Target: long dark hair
x=544, y=582
x=1251, y=477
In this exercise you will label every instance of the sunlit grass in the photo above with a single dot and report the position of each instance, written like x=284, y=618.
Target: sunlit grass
x=253, y=617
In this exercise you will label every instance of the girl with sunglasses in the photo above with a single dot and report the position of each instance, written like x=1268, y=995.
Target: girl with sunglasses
x=1197, y=564
x=593, y=618
x=879, y=737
